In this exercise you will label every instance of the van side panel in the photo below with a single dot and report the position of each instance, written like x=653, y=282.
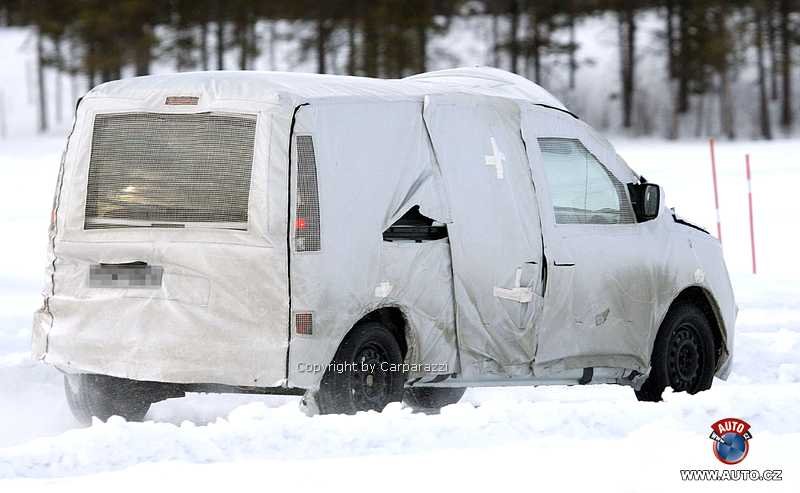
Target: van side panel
x=373, y=164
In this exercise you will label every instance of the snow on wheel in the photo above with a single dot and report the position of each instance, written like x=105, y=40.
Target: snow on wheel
x=683, y=354
x=365, y=374
x=102, y=396
x=432, y=398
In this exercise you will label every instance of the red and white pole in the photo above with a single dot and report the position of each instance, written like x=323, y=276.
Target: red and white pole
x=750, y=205
x=716, y=193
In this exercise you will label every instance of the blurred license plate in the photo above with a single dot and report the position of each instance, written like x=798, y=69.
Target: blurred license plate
x=133, y=275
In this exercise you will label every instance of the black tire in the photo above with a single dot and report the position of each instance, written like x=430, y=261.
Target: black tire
x=346, y=388
x=432, y=398
x=683, y=354
x=102, y=396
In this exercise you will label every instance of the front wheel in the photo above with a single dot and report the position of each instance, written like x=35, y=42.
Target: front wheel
x=102, y=396
x=683, y=355
x=366, y=372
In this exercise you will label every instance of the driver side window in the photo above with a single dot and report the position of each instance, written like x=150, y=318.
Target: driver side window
x=583, y=191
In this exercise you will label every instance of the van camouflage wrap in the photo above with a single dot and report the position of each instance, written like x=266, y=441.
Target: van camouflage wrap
x=230, y=228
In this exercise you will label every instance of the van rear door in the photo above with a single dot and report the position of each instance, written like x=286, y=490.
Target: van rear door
x=170, y=245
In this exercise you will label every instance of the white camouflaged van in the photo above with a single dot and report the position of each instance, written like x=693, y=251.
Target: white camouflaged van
x=363, y=241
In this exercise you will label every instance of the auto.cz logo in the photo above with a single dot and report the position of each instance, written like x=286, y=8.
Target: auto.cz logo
x=731, y=475
x=731, y=437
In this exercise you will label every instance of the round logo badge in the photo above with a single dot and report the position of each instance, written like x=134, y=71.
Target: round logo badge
x=730, y=437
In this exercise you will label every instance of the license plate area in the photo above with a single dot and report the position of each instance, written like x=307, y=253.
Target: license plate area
x=131, y=275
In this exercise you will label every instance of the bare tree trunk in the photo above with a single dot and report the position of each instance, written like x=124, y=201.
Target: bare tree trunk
x=91, y=65
x=351, y=45
x=371, y=48
x=143, y=51
x=512, y=36
x=683, y=67
x=627, y=40
x=252, y=42
x=41, y=83
x=726, y=108
x=698, y=127
x=674, y=123
x=422, y=47
x=787, y=117
x=272, y=39
x=73, y=86
x=773, y=51
x=59, y=85
x=670, y=35
x=573, y=48
x=322, y=34
x=766, y=128
x=495, y=42
x=726, y=105
x=204, y=44
x=536, y=48
x=73, y=73
x=220, y=32
x=243, y=39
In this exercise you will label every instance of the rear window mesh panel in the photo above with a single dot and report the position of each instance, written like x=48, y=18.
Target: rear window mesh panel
x=170, y=170
x=307, y=230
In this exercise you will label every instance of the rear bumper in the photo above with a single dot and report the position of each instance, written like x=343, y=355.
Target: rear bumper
x=222, y=322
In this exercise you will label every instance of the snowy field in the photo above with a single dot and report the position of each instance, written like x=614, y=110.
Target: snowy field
x=496, y=439
x=567, y=437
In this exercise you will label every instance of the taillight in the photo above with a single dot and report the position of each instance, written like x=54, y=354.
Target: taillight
x=307, y=227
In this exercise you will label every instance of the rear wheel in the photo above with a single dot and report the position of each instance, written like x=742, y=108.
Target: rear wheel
x=432, y=398
x=366, y=373
x=683, y=355
x=102, y=396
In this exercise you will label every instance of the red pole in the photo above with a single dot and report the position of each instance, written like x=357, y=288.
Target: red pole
x=750, y=204
x=716, y=194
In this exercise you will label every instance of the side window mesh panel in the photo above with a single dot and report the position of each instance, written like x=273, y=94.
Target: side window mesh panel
x=307, y=230
x=170, y=170
x=582, y=189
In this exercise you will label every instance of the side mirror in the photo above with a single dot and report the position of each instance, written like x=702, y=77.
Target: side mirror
x=646, y=200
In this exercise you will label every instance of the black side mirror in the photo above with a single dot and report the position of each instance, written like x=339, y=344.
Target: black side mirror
x=646, y=200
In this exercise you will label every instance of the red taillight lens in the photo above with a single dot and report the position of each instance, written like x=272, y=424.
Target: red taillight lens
x=300, y=224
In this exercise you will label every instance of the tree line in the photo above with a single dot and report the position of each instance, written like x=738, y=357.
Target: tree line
x=732, y=55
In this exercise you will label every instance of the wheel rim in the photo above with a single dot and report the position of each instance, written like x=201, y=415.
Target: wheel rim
x=685, y=362
x=371, y=382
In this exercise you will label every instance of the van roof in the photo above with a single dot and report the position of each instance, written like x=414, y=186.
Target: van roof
x=303, y=87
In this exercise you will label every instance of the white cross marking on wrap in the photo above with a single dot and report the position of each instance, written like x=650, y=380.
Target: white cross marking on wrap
x=496, y=159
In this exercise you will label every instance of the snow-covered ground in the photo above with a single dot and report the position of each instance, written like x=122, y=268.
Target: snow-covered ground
x=514, y=439
x=567, y=437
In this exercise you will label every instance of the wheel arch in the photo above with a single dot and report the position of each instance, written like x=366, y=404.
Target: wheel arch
x=395, y=320
x=702, y=298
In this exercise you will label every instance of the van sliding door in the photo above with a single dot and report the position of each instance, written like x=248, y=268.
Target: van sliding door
x=495, y=235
